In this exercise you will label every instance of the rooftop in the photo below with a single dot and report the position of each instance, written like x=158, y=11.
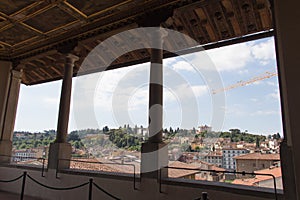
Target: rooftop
x=179, y=173
x=276, y=171
x=215, y=153
x=258, y=156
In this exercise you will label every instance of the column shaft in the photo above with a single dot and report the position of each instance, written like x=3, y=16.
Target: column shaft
x=12, y=104
x=156, y=96
x=5, y=70
x=287, y=41
x=11, y=81
x=60, y=151
x=65, y=100
x=155, y=151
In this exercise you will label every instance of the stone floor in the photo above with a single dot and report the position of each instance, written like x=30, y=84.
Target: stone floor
x=11, y=196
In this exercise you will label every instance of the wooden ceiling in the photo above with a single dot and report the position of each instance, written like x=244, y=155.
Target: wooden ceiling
x=34, y=35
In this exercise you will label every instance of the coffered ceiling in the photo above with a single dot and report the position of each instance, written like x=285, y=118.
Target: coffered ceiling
x=32, y=33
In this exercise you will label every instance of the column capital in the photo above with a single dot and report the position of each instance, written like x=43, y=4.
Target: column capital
x=157, y=36
x=71, y=58
x=17, y=74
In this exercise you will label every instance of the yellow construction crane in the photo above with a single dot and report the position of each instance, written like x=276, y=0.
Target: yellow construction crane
x=243, y=83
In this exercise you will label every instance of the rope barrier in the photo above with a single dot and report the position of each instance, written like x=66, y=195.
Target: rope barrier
x=56, y=188
x=104, y=191
x=106, y=163
x=90, y=183
x=12, y=180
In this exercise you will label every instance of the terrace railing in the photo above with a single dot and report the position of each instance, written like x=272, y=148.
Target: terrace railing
x=225, y=172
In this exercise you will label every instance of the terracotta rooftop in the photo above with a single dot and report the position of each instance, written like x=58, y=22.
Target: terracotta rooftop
x=180, y=173
x=258, y=156
x=276, y=171
x=216, y=153
x=233, y=148
x=213, y=167
x=106, y=165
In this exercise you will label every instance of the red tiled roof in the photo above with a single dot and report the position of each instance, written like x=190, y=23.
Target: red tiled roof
x=276, y=171
x=91, y=166
x=179, y=173
x=213, y=167
x=216, y=153
x=258, y=156
x=106, y=165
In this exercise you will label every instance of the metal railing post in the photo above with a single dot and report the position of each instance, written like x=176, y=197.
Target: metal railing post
x=91, y=189
x=134, y=176
x=275, y=187
x=43, y=167
x=204, y=196
x=23, y=185
x=57, y=164
x=160, y=191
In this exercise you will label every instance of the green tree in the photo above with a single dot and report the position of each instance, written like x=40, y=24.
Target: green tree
x=105, y=129
x=73, y=136
x=257, y=142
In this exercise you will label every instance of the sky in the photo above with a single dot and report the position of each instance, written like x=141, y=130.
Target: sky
x=119, y=97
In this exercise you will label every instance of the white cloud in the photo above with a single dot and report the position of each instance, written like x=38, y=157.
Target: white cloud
x=264, y=112
x=170, y=61
x=185, y=91
x=231, y=57
x=200, y=90
x=264, y=51
x=234, y=57
x=275, y=95
x=183, y=66
x=118, y=84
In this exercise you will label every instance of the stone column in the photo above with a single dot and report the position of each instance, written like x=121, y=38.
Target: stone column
x=287, y=42
x=9, y=102
x=5, y=70
x=156, y=96
x=154, y=151
x=60, y=149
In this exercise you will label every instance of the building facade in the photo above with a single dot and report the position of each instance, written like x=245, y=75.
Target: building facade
x=228, y=157
x=256, y=161
x=215, y=158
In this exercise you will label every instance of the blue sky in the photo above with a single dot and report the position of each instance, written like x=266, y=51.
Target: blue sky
x=120, y=96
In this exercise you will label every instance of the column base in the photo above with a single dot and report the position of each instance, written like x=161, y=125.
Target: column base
x=154, y=158
x=59, y=151
x=5, y=151
x=287, y=164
